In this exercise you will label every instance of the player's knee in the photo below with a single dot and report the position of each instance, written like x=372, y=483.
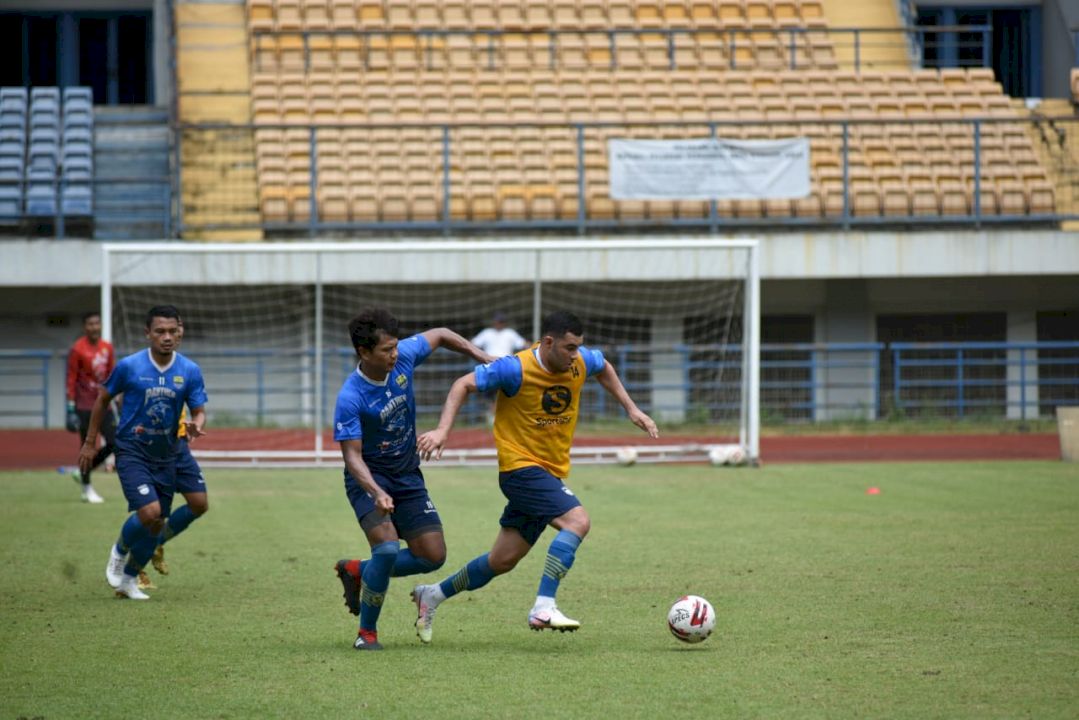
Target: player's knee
x=430, y=563
x=501, y=564
x=150, y=515
x=577, y=522
x=199, y=506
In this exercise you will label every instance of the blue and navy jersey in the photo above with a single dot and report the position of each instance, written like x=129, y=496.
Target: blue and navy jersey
x=506, y=373
x=153, y=400
x=383, y=414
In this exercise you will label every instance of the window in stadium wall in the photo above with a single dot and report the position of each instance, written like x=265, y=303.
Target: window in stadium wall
x=114, y=50
x=1013, y=45
x=1058, y=368
x=932, y=386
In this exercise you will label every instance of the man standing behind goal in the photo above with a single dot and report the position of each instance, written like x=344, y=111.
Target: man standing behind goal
x=89, y=363
x=535, y=416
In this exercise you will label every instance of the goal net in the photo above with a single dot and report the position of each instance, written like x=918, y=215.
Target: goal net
x=267, y=323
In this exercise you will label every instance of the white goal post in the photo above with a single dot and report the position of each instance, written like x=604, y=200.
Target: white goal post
x=678, y=317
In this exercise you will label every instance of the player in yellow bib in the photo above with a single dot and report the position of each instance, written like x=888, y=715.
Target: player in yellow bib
x=536, y=411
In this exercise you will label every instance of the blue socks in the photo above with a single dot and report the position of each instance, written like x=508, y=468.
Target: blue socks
x=130, y=533
x=376, y=578
x=137, y=540
x=406, y=564
x=176, y=524
x=472, y=576
x=559, y=560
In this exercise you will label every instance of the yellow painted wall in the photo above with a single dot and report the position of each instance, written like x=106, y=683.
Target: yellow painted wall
x=218, y=182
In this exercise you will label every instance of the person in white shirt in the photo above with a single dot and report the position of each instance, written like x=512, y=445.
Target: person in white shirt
x=498, y=340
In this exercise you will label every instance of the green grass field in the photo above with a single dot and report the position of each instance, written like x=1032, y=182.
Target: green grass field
x=952, y=594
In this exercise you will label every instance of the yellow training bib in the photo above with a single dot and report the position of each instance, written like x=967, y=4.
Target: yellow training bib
x=535, y=426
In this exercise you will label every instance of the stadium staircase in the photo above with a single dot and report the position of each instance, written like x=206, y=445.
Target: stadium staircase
x=1057, y=146
x=875, y=50
x=218, y=185
x=131, y=142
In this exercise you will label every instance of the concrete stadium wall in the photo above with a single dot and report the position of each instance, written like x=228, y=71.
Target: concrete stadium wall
x=843, y=281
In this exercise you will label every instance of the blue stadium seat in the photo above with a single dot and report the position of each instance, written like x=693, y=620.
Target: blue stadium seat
x=77, y=199
x=13, y=94
x=77, y=136
x=77, y=168
x=11, y=169
x=10, y=199
x=78, y=96
x=45, y=96
x=40, y=199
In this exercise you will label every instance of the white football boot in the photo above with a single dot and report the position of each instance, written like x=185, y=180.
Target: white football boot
x=427, y=600
x=551, y=618
x=89, y=495
x=114, y=570
x=129, y=588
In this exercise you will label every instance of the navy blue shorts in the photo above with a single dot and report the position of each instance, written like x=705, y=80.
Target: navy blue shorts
x=146, y=480
x=413, y=512
x=536, y=497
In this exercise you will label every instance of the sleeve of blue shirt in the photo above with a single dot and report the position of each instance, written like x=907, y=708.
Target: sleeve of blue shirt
x=412, y=351
x=117, y=379
x=346, y=417
x=503, y=374
x=196, y=392
x=593, y=360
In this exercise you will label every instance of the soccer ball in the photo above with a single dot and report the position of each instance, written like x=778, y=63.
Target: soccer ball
x=726, y=455
x=626, y=455
x=691, y=619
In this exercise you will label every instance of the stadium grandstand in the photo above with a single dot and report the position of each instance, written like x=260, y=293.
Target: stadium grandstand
x=929, y=265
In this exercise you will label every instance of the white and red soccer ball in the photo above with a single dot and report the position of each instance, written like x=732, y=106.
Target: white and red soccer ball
x=691, y=619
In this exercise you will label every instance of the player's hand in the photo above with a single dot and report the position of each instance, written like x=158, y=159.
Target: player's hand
x=645, y=423
x=487, y=358
x=71, y=422
x=384, y=504
x=193, y=430
x=431, y=444
x=86, y=456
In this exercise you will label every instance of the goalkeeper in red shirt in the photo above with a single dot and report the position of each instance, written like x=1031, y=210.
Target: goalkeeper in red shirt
x=89, y=363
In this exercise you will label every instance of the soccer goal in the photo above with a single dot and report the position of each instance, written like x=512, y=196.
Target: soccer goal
x=267, y=322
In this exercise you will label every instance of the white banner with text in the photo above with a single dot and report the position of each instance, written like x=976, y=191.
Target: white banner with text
x=708, y=169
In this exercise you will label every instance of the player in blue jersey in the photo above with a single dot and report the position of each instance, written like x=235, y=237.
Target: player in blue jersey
x=151, y=461
x=375, y=422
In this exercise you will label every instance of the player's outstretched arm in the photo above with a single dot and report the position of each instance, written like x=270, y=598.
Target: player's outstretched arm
x=444, y=337
x=352, y=452
x=195, y=425
x=610, y=381
x=89, y=448
x=431, y=443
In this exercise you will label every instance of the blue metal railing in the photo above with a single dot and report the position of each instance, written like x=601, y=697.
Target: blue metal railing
x=1020, y=206
x=984, y=378
x=799, y=382
x=490, y=42
x=25, y=376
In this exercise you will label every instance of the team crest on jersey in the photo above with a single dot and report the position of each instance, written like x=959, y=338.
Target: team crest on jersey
x=402, y=381
x=556, y=399
x=178, y=380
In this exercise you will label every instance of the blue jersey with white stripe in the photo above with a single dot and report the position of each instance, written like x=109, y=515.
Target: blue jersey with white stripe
x=383, y=414
x=154, y=397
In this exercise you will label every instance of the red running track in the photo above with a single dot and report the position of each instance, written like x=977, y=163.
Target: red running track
x=36, y=449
